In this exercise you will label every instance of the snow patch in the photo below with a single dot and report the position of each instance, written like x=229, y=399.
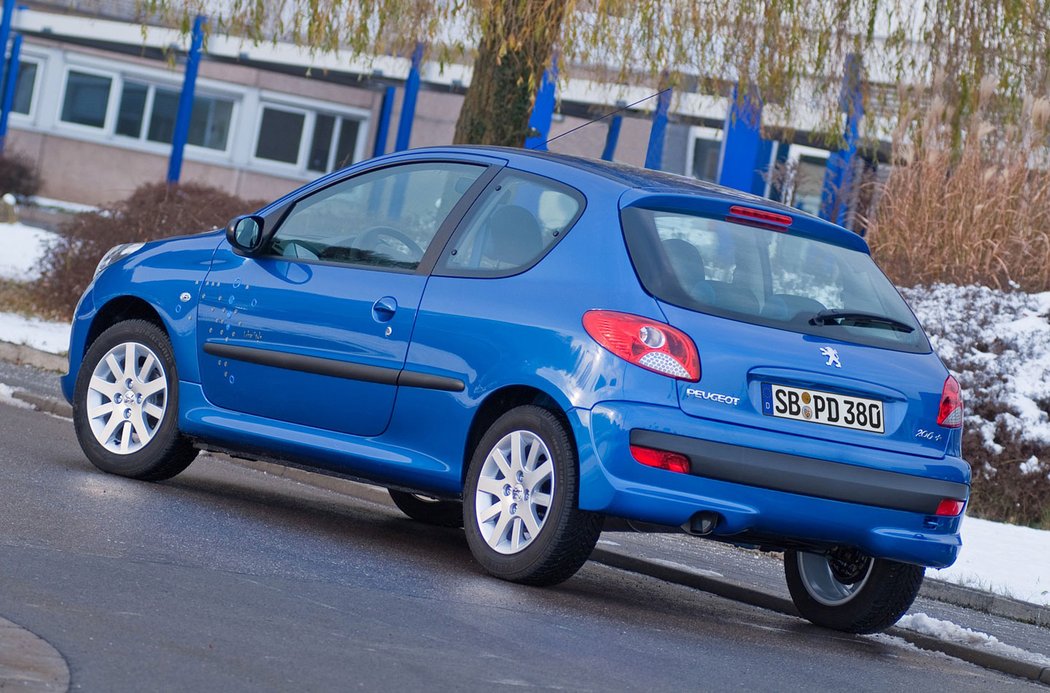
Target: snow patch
x=1031, y=466
x=1003, y=559
x=62, y=205
x=52, y=337
x=24, y=248
x=998, y=345
x=7, y=396
x=950, y=632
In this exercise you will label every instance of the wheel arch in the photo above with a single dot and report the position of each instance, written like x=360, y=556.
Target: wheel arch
x=499, y=402
x=119, y=309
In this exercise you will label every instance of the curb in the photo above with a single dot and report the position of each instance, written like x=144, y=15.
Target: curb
x=688, y=578
x=28, y=356
x=986, y=602
x=28, y=662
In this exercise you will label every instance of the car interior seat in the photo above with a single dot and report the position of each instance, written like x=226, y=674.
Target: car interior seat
x=514, y=237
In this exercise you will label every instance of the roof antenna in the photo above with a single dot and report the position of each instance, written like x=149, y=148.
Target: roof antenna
x=590, y=122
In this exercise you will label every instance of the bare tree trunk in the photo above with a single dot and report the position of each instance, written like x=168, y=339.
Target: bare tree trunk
x=517, y=42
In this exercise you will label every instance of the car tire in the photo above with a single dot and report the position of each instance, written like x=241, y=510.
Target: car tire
x=847, y=591
x=520, y=510
x=126, y=419
x=432, y=511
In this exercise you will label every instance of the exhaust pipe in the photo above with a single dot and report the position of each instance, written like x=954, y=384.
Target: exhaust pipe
x=702, y=523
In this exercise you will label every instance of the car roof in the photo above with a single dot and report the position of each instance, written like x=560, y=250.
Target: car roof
x=628, y=176
x=649, y=182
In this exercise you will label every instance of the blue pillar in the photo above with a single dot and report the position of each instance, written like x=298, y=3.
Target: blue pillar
x=10, y=83
x=189, y=86
x=408, y=106
x=612, y=137
x=5, y=30
x=543, y=109
x=741, y=142
x=838, y=176
x=654, y=155
x=383, y=126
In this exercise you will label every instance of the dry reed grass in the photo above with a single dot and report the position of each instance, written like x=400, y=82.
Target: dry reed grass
x=972, y=210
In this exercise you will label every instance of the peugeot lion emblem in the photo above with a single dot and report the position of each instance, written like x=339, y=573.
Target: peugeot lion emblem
x=832, y=355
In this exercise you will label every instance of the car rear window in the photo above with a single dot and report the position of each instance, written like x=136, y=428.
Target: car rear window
x=768, y=277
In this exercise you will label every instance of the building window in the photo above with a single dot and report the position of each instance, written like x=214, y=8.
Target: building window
x=806, y=171
x=331, y=139
x=704, y=155
x=157, y=108
x=330, y=150
x=86, y=100
x=24, y=86
x=279, y=135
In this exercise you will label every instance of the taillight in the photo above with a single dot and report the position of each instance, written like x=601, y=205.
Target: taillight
x=653, y=345
x=949, y=507
x=950, y=414
x=661, y=459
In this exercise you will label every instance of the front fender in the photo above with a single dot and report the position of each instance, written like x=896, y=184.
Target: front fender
x=163, y=281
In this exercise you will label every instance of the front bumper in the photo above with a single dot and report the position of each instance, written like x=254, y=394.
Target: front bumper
x=830, y=494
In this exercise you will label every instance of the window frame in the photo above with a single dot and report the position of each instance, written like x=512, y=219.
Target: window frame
x=34, y=94
x=794, y=156
x=310, y=110
x=152, y=79
x=147, y=115
x=700, y=132
x=115, y=86
x=441, y=269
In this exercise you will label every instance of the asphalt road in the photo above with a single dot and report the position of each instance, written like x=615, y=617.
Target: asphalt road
x=230, y=579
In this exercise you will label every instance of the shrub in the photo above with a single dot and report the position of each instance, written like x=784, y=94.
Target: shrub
x=998, y=345
x=154, y=210
x=18, y=175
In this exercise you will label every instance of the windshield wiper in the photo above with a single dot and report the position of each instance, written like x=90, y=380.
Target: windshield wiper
x=856, y=318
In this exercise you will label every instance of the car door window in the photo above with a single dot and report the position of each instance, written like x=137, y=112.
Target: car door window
x=519, y=219
x=383, y=218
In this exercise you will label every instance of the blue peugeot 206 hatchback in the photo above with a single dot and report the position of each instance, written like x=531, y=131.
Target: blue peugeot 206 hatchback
x=524, y=344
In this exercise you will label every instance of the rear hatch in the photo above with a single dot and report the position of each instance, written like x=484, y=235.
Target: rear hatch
x=798, y=330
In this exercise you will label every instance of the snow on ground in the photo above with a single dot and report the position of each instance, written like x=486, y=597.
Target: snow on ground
x=52, y=337
x=946, y=630
x=1003, y=559
x=23, y=249
x=62, y=205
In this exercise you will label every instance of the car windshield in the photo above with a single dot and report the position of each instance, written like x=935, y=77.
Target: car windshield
x=766, y=277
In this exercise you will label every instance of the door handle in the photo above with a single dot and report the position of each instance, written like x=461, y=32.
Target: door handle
x=383, y=310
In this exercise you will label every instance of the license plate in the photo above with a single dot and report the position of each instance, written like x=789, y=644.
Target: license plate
x=826, y=408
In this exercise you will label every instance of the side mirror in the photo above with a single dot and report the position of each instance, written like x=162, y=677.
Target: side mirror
x=245, y=233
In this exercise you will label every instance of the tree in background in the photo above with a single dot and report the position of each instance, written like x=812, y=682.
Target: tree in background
x=791, y=51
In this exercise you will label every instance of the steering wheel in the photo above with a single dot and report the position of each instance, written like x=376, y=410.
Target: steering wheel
x=378, y=236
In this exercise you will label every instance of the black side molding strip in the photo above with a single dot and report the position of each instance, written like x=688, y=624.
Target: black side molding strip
x=334, y=367
x=805, y=476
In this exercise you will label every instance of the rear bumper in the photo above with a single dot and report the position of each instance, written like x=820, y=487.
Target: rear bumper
x=826, y=496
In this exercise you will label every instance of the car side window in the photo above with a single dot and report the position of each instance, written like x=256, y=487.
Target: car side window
x=520, y=217
x=382, y=218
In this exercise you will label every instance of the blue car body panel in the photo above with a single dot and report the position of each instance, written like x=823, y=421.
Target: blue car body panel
x=523, y=332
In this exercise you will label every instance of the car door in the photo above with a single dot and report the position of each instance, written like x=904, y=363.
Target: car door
x=314, y=330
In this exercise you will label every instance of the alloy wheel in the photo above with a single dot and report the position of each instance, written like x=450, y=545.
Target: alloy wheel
x=515, y=491
x=127, y=397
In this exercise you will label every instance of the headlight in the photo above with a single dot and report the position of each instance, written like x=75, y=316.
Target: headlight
x=116, y=253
